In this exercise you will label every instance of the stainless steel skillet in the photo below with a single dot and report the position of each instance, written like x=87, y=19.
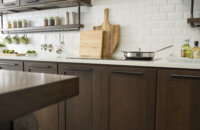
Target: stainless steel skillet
x=139, y=55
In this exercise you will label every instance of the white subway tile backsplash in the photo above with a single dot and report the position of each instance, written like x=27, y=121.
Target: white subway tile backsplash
x=145, y=24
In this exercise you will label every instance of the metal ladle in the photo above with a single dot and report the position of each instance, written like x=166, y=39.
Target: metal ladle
x=59, y=49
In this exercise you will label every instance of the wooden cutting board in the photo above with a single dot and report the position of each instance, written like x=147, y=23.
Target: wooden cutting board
x=91, y=44
x=111, y=35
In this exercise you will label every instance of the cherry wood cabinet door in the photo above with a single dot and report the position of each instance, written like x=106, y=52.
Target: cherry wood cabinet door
x=48, y=118
x=178, y=106
x=129, y=99
x=79, y=109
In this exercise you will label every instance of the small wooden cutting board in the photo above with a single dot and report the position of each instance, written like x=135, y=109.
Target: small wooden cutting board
x=111, y=36
x=91, y=44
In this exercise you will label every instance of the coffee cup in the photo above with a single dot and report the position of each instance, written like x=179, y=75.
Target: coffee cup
x=8, y=39
x=24, y=39
x=15, y=39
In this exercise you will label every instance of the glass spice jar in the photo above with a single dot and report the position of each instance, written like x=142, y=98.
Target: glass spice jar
x=9, y=24
x=14, y=24
x=19, y=24
x=58, y=21
x=45, y=22
x=52, y=21
x=25, y=24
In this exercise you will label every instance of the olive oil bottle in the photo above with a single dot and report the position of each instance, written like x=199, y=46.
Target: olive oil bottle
x=186, y=50
x=196, y=50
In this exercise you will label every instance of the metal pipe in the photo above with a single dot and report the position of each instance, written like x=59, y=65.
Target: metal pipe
x=192, y=8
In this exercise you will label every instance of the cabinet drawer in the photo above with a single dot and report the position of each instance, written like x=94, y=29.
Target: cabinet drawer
x=74, y=69
x=11, y=65
x=41, y=67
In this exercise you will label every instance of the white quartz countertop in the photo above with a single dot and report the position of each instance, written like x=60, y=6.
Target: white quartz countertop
x=160, y=63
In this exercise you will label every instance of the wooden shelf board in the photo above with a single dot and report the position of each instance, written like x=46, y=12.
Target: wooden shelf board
x=194, y=20
x=72, y=27
x=44, y=6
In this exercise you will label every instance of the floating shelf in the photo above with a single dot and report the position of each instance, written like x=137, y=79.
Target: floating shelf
x=194, y=22
x=71, y=27
x=44, y=6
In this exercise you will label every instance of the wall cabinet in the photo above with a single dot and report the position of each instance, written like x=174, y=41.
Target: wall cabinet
x=11, y=65
x=79, y=109
x=31, y=2
x=9, y=3
x=129, y=99
x=178, y=106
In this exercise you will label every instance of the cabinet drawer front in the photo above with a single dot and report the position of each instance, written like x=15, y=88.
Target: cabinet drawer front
x=74, y=69
x=11, y=65
x=43, y=67
x=179, y=75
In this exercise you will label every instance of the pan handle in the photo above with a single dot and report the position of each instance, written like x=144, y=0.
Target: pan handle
x=164, y=48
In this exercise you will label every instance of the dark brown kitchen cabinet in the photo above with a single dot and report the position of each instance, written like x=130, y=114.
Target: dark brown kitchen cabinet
x=178, y=106
x=79, y=110
x=128, y=96
x=42, y=67
x=8, y=4
x=48, y=118
x=11, y=65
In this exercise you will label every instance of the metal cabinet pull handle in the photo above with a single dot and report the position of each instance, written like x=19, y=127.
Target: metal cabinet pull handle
x=185, y=76
x=129, y=73
x=35, y=66
x=8, y=64
x=78, y=69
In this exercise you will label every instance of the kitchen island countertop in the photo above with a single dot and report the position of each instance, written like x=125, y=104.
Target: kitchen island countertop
x=157, y=63
x=23, y=92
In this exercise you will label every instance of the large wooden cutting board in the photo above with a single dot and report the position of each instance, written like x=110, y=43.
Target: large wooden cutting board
x=91, y=44
x=111, y=35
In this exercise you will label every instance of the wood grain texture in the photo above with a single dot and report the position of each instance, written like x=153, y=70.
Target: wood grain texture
x=48, y=118
x=132, y=99
x=178, y=106
x=111, y=35
x=33, y=91
x=79, y=110
x=91, y=44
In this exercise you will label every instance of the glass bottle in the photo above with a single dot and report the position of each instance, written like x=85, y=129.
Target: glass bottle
x=9, y=24
x=52, y=21
x=196, y=50
x=58, y=21
x=45, y=22
x=19, y=24
x=186, y=49
x=15, y=24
